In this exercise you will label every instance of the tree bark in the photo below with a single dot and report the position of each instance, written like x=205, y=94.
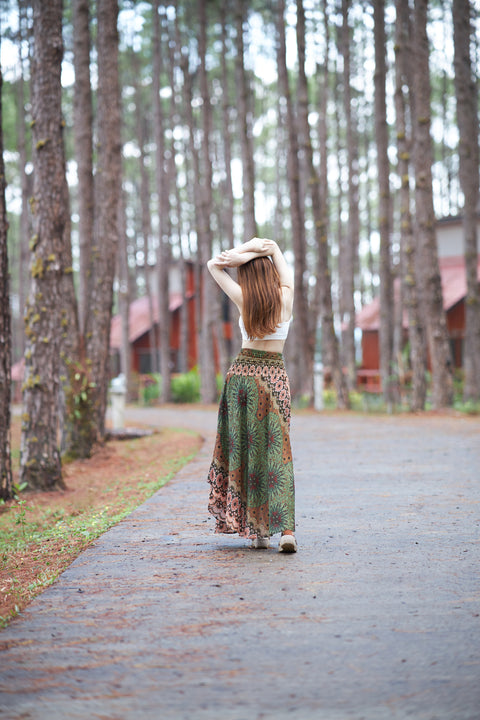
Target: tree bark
x=387, y=322
x=350, y=246
x=75, y=424
x=228, y=202
x=83, y=138
x=5, y=334
x=301, y=373
x=107, y=194
x=323, y=296
x=161, y=176
x=228, y=212
x=179, y=150
x=436, y=326
x=207, y=289
x=25, y=224
x=416, y=332
x=124, y=295
x=76, y=420
x=40, y=457
x=342, y=283
x=193, y=176
x=245, y=132
x=467, y=117
x=144, y=199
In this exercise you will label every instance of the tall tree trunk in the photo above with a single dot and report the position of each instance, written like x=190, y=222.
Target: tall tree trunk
x=246, y=140
x=228, y=205
x=371, y=257
x=301, y=372
x=146, y=219
x=124, y=295
x=75, y=419
x=179, y=149
x=280, y=141
x=350, y=245
x=226, y=137
x=163, y=256
x=467, y=117
x=338, y=301
x=445, y=99
x=383, y=169
x=40, y=457
x=437, y=335
x=82, y=127
x=76, y=424
x=5, y=334
x=323, y=297
x=107, y=194
x=207, y=289
x=194, y=175
x=25, y=225
x=416, y=331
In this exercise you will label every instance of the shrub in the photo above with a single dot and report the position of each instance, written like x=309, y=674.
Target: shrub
x=470, y=407
x=150, y=388
x=186, y=387
x=329, y=399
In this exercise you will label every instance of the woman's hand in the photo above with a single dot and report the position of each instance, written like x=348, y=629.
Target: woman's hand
x=229, y=258
x=261, y=246
x=256, y=247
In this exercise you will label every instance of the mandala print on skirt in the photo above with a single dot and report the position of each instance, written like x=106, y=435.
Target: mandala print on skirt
x=251, y=476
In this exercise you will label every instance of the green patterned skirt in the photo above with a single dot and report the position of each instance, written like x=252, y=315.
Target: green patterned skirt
x=251, y=476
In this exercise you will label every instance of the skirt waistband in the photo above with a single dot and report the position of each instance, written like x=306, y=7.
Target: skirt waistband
x=259, y=354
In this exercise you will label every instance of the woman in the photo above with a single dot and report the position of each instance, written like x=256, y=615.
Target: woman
x=251, y=475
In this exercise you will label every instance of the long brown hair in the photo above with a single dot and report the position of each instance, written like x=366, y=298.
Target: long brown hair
x=262, y=298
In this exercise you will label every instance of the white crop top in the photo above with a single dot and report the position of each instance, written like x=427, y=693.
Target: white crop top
x=280, y=333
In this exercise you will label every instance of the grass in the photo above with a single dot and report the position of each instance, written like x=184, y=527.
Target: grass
x=364, y=402
x=41, y=533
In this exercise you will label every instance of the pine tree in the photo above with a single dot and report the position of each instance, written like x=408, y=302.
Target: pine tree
x=432, y=299
x=40, y=457
x=383, y=168
x=107, y=196
x=467, y=116
x=5, y=335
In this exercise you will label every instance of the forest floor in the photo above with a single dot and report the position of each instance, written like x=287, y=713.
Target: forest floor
x=42, y=533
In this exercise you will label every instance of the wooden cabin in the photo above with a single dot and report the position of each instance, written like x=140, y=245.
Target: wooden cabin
x=454, y=289
x=144, y=334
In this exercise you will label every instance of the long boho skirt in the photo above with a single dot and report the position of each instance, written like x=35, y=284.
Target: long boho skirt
x=251, y=476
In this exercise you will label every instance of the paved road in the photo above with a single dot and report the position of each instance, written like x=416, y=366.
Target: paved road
x=376, y=617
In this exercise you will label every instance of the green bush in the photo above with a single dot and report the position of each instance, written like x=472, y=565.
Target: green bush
x=368, y=402
x=329, y=399
x=150, y=388
x=469, y=407
x=186, y=387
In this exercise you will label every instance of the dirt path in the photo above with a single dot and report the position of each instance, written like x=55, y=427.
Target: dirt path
x=376, y=617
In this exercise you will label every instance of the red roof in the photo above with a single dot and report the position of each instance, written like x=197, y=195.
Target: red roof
x=454, y=280
x=139, y=323
x=139, y=318
x=454, y=288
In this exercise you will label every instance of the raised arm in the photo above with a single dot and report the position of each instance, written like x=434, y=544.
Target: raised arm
x=230, y=287
x=233, y=258
x=242, y=254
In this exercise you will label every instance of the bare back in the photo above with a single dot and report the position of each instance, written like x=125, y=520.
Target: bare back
x=286, y=314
